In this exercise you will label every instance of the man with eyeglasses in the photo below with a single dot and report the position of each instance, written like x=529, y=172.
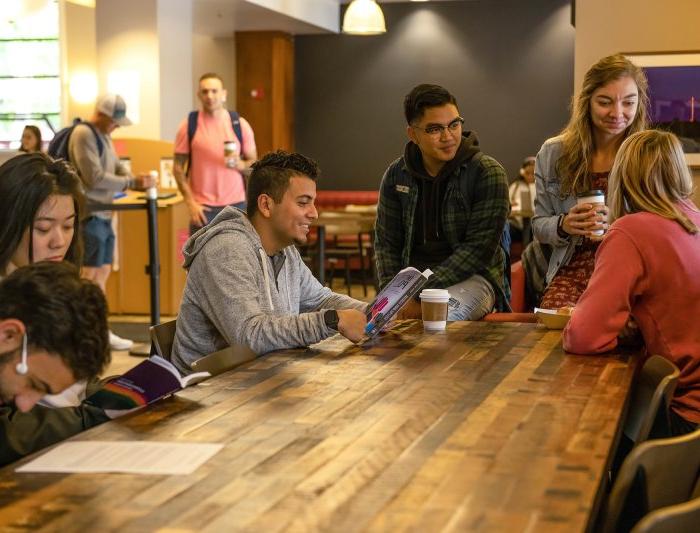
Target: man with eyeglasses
x=443, y=205
x=53, y=332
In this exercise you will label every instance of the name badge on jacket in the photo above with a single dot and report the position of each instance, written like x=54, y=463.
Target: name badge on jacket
x=403, y=188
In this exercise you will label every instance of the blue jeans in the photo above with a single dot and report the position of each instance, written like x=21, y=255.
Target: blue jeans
x=98, y=240
x=213, y=211
x=471, y=299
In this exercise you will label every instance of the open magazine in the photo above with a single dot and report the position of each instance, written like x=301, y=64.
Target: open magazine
x=393, y=297
x=150, y=380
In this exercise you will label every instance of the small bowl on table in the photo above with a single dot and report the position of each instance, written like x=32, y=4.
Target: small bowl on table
x=553, y=318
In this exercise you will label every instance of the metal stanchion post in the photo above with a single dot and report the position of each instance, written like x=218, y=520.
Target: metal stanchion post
x=321, y=237
x=153, y=267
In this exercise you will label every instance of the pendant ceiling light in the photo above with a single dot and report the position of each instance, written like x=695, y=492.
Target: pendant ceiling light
x=364, y=17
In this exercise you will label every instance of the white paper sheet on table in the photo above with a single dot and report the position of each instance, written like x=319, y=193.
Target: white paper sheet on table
x=131, y=457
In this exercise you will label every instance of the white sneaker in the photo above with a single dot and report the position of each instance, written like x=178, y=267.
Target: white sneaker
x=117, y=343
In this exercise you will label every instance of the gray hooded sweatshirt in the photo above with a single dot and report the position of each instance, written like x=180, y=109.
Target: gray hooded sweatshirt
x=236, y=294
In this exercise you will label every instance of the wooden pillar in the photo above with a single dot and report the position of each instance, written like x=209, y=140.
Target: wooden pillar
x=265, y=87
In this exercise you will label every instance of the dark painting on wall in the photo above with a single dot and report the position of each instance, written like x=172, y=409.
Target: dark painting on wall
x=674, y=95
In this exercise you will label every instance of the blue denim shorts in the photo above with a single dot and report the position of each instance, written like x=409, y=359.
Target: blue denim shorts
x=212, y=212
x=98, y=239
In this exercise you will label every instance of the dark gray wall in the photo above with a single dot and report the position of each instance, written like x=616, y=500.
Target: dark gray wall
x=510, y=63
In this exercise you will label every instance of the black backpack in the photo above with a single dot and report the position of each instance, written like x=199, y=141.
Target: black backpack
x=192, y=128
x=58, y=147
x=467, y=190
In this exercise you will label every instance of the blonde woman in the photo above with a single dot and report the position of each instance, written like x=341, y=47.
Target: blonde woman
x=612, y=104
x=648, y=267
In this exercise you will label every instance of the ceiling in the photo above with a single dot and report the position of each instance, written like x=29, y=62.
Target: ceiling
x=221, y=18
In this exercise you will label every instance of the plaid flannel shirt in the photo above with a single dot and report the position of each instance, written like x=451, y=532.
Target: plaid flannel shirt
x=472, y=226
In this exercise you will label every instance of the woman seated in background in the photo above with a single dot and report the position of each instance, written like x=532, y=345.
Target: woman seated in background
x=522, y=189
x=648, y=267
x=612, y=105
x=31, y=139
x=40, y=210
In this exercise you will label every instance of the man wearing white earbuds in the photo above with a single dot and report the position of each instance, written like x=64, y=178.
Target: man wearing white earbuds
x=53, y=332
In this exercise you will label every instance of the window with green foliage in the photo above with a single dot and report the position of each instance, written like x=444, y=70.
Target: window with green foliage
x=30, y=86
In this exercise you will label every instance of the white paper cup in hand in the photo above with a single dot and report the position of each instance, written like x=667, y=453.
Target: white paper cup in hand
x=152, y=191
x=595, y=198
x=230, y=153
x=433, y=303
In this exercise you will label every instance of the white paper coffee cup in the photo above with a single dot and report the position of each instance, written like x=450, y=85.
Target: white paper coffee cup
x=229, y=148
x=434, y=308
x=230, y=156
x=595, y=197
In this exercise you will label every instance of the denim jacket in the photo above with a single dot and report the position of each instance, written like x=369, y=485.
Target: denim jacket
x=549, y=204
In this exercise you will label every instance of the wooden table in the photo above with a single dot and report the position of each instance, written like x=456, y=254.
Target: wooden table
x=488, y=427
x=128, y=288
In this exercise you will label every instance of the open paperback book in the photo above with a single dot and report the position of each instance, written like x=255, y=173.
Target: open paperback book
x=392, y=298
x=150, y=380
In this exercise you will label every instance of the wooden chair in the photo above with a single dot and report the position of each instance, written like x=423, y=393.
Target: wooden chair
x=162, y=338
x=347, y=252
x=656, y=474
x=651, y=399
x=681, y=518
x=225, y=359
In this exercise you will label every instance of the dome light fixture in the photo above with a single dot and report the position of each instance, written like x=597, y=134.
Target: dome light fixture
x=364, y=17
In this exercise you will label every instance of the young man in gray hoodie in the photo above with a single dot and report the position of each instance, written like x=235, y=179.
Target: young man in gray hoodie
x=247, y=283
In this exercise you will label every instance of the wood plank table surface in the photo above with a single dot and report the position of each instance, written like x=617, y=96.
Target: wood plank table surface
x=485, y=427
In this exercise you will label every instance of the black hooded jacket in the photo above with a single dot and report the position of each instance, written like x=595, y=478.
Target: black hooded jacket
x=429, y=244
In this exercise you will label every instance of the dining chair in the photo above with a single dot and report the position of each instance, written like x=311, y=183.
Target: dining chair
x=656, y=474
x=681, y=518
x=651, y=398
x=223, y=360
x=345, y=255
x=162, y=338
x=350, y=252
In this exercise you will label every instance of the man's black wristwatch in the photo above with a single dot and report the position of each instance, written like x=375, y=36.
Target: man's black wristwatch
x=331, y=319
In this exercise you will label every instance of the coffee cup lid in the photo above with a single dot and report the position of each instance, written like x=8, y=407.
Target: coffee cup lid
x=435, y=293
x=594, y=192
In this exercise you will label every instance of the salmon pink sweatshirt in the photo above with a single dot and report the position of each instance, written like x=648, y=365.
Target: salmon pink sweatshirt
x=647, y=267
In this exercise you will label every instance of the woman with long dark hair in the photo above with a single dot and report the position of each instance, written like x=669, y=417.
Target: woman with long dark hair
x=31, y=139
x=41, y=202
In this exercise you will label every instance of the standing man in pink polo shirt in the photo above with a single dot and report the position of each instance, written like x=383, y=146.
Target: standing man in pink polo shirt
x=207, y=179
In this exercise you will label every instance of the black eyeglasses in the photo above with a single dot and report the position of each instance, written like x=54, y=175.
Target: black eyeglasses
x=436, y=130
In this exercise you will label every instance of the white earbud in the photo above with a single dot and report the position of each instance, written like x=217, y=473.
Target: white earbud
x=22, y=368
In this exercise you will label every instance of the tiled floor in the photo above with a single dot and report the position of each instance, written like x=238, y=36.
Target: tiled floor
x=122, y=361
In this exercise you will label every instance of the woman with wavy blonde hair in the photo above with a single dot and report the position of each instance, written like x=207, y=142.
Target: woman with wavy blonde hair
x=647, y=270
x=612, y=105
x=651, y=175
